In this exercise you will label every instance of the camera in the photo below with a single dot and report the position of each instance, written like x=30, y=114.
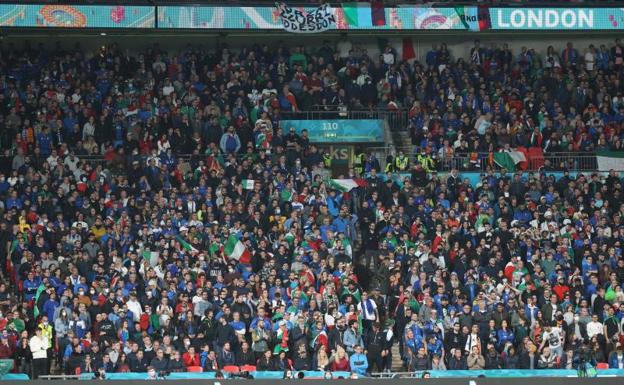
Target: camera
x=100, y=374
x=242, y=375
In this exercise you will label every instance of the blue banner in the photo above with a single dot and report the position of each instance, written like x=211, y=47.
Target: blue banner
x=529, y=19
x=338, y=131
x=77, y=16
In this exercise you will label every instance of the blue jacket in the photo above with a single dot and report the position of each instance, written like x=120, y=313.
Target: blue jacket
x=333, y=205
x=614, y=362
x=350, y=339
x=359, y=363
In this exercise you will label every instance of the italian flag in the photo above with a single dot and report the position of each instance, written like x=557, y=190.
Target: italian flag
x=235, y=249
x=186, y=246
x=346, y=185
x=509, y=159
x=151, y=256
x=248, y=184
x=364, y=14
x=610, y=160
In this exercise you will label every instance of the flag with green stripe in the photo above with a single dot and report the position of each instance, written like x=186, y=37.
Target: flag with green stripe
x=358, y=14
x=610, y=160
x=235, y=249
x=185, y=245
x=346, y=185
x=40, y=290
x=248, y=184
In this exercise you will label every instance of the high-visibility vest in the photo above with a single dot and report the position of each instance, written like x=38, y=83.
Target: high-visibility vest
x=426, y=161
x=327, y=160
x=358, y=163
x=389, y=165
x=401, y=162
x=46, y=332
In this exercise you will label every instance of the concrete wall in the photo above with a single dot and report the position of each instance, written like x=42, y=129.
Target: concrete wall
x=459, y=44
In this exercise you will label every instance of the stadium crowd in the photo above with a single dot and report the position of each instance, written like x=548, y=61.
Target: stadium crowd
x=156, y=217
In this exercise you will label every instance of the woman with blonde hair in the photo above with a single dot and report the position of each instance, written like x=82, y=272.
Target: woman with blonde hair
x=322, y=360
x=340, y=361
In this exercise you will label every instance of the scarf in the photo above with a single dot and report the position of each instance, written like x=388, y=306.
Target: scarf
x=369, y=307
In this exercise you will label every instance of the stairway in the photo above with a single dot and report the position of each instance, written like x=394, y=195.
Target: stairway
x=401, y=139
x=397, y=363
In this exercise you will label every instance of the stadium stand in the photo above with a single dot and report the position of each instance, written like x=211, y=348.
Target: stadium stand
x=157, y=218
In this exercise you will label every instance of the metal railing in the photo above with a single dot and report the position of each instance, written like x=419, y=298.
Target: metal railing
x=397, y=119
x=60, y=377
x=556, y=161
x=573, y=161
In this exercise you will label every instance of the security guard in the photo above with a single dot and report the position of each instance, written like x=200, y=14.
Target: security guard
x=401, y=162
x=425, y=160
x=358, y=162
x=327, y=159
x=389, y=164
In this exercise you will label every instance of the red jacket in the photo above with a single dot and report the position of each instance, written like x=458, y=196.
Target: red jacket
x=191, y=360
x=5, y=351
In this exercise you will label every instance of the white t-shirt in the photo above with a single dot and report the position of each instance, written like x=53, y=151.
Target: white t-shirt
x=594, y=328
x=388, y=58
x=344, y=46
x=590, y=59
x=168, y=90
x=553, y=337
x=136, y=309
x=363, y=308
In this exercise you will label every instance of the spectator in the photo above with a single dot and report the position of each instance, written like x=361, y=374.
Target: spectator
x=266, y=362
x=39, y=348
x=358, y=361
x=128, y=222
x=340, y=362
x=616, y=359
x=190, y=358
x=457, y=361
x=547, y=360
x=475, y=360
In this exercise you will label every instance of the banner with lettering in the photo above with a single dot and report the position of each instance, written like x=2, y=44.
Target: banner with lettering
x=299, y=20
x=339, y=130
x=557, y=19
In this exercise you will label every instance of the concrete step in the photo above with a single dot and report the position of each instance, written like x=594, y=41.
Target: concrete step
x=397, y=362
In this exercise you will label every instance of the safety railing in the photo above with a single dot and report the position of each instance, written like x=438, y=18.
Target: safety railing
x=573, y=161
x=556, y=161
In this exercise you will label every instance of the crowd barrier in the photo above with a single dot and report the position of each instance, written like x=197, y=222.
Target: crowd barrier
x=316, y=375
x=474, y=178
x=272, y=375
